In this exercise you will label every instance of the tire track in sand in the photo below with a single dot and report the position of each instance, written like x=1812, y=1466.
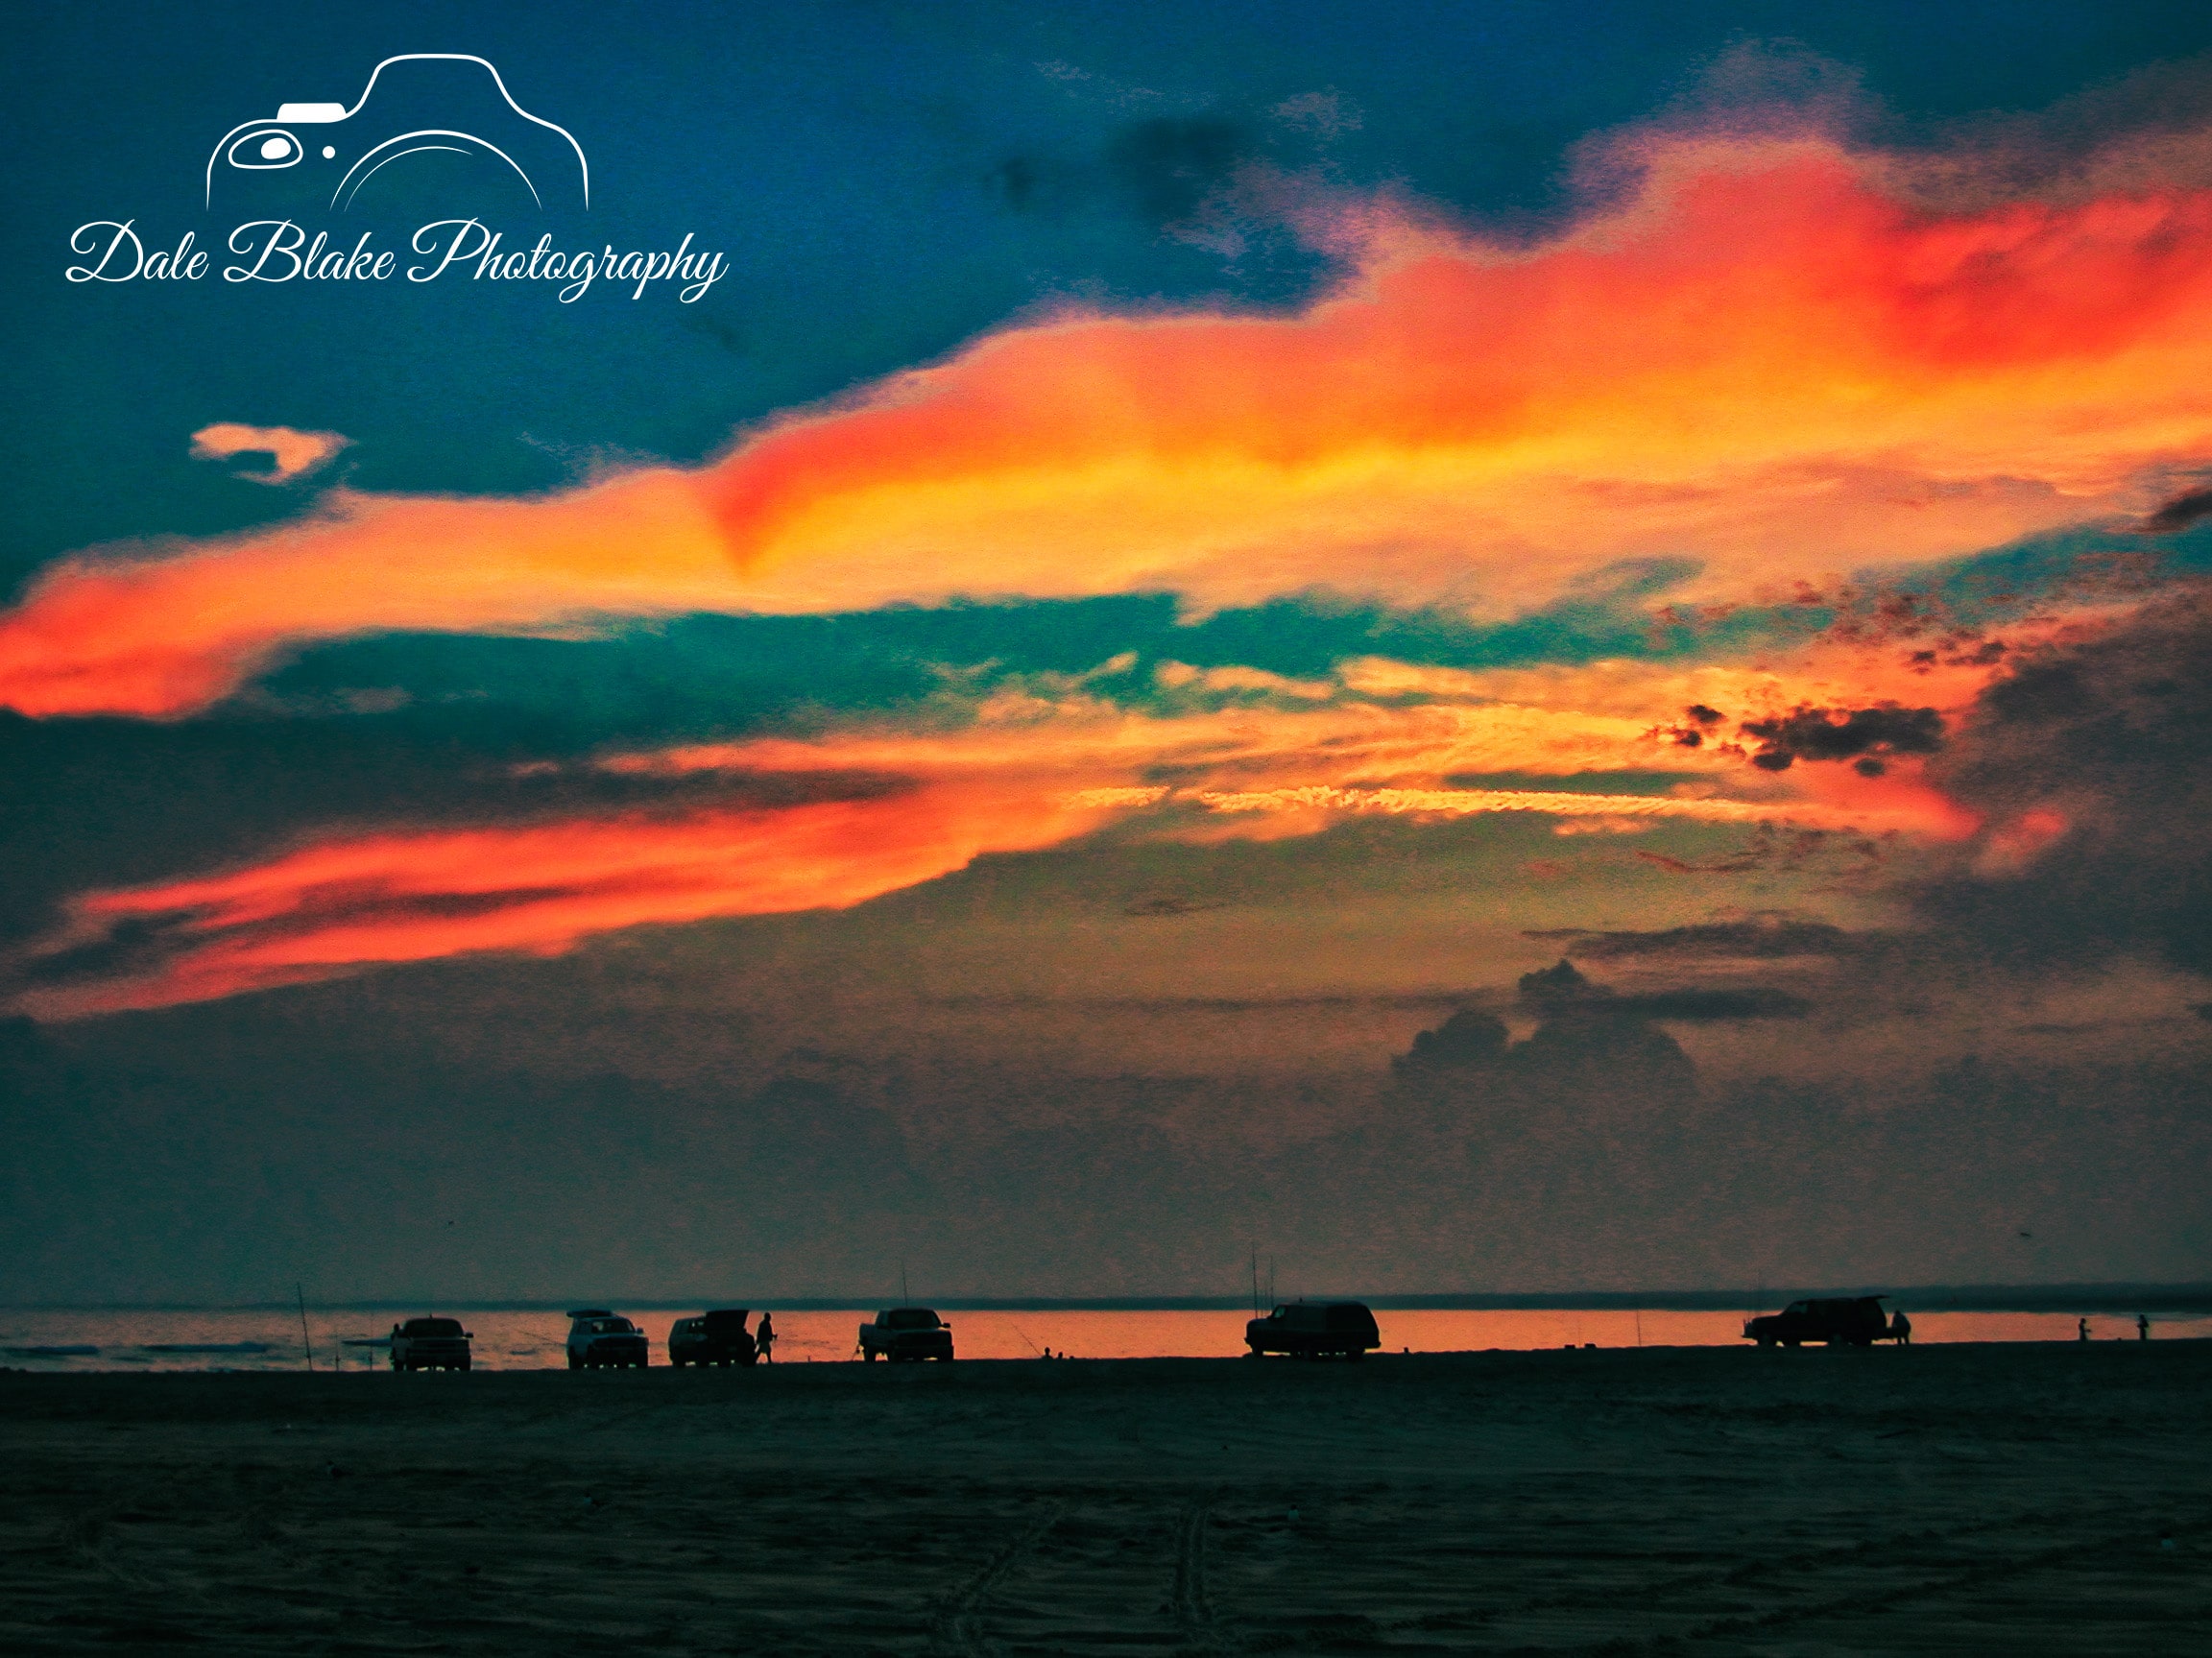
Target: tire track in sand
x=1194, y=1615
x=959, y=1624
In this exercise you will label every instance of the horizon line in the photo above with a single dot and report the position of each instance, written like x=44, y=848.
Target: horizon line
x=2038, y=1297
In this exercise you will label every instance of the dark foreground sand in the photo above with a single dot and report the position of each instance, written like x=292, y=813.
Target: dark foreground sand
x=2007, y=1500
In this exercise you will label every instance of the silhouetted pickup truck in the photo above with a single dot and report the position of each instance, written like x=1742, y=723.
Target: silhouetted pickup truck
x=599, y=1338
x=1854, y=1321
x=1310, y=1329
x=906, y=1333
x=430, y=1344
x=717, y=1337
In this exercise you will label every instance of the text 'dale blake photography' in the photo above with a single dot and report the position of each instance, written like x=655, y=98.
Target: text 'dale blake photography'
x=1258, y=826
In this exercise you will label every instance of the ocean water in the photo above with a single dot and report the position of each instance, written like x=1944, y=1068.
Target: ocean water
x=270, y=1339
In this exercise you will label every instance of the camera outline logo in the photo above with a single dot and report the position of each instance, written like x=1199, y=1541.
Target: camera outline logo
x=299, y=133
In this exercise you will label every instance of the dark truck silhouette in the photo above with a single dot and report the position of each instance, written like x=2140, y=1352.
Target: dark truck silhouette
x=906, y=1333
x=716, y=1337
x=429, y=1344
x=1843, y=1321
x=599, y=1338
x=1312, y=1329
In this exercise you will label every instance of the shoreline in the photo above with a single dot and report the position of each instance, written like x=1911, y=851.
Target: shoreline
x=2107, y=1299
x=750, y=1375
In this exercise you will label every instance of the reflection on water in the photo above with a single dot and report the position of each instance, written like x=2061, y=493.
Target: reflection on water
x=271, y=1339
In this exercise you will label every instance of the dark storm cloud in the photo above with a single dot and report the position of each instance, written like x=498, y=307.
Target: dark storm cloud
x=1561, y=989
x=2076, y=144
x=1168, y=904
x=1593, y=1059
x=2092, y=764
x=1765, y=938
x=1702, y=1006
x=1866, y=735
x=2178, y=513
x=1574, y=1010
x=1165, y=168
x=1164, y=171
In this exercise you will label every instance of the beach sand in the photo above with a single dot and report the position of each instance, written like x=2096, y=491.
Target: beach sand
x=2001, y=1499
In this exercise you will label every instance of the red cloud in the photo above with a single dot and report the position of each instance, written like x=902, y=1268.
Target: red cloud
x=350, y=902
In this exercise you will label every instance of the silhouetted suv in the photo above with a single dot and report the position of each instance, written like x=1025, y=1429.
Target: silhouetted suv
x=1853, y=1321
x=1310, y=1328
x=597, y=1337
x=718, y=1337
x=906, y=1333
x=430, y=1344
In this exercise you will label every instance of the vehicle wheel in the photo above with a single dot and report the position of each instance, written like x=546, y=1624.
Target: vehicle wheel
x=1765, y=1341
x=465, y=1363
x=1358, y=1353
x=868, y=1355
x=1791, y=1343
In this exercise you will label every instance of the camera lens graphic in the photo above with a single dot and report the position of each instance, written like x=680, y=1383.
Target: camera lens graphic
x=426, y=125
x=260, y=151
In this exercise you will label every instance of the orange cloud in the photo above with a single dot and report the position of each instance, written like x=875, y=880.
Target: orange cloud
x=1076, y=741
x=350, y=902
x=1027, y=771
x=1768, y=362
x=291, y=454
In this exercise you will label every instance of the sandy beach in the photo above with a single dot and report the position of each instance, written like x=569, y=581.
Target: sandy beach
x=2025, y=1499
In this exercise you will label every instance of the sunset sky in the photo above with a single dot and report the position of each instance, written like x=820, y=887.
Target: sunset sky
x=1489, y=647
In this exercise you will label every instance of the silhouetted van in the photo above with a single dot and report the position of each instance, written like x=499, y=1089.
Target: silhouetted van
x=599, y=1338
x=906, y=1333
x=430, y=1344
x=1845, y=1321
x=1310, y=1328
x=717, y=1337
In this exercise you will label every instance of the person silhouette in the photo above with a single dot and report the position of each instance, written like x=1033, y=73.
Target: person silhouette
x=2142, y=1327
x=1900, y=1329
x=2081, y=1330
x=765, y=1338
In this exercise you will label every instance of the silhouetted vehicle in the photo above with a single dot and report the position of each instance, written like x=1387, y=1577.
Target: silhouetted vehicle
x=717, y=1337
x=1845, y=1321
x=430, y=1344
x=599, y=1337
x=1312, y=1329
x=906, y=1333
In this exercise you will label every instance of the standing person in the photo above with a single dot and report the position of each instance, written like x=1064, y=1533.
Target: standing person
x=2081, y=1330
x=1900, y=1329
x=2142, y=1327
x=765, y=1338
